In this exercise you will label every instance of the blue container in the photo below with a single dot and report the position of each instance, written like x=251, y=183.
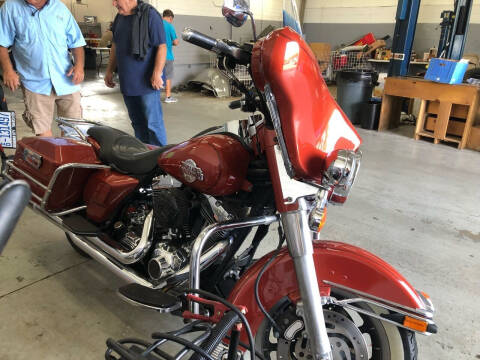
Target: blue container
x=446, y=71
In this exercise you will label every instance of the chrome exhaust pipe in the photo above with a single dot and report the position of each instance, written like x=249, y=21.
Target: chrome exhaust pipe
x=121, y=271
x=118, y=261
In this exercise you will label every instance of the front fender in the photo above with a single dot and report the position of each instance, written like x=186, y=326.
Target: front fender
x=345, y=265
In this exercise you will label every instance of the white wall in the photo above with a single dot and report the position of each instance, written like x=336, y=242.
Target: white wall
x=376, y=11
x=262, y=9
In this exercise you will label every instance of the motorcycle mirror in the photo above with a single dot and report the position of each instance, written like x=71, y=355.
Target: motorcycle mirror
x=236, y=11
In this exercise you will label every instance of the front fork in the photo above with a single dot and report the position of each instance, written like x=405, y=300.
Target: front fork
x=299, y=242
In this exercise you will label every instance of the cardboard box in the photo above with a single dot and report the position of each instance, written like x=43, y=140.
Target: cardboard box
x=322, y=53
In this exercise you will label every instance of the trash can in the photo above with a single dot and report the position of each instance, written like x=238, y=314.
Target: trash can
x=371, y=114
x=355, y=87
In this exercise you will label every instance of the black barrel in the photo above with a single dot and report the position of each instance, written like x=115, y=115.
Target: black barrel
x=371, y=114
x=354, y=87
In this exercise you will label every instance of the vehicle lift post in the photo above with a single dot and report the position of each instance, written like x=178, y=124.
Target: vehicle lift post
x=406, y=22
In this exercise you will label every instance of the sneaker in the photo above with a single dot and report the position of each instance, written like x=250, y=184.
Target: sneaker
x=171, y=100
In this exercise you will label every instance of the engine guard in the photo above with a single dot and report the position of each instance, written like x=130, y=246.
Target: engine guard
x=342, y=267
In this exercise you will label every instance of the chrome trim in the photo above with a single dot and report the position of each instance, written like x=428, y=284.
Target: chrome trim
x=195, y=260
x=342, y=172
x=139, y=304
x=121, y=271
x=291, y=188
x=63, y=167
x=423, y=313
x=347, y=304
x=70, y=122
x=205, y=260
x=48, y=189
x=136, y=254
x=299, y=242
x=277, y=124
x=106, y=255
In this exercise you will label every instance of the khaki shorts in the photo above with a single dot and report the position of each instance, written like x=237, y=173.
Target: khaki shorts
x=39, y=109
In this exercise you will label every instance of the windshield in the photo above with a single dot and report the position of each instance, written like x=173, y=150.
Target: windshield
x=290, y=16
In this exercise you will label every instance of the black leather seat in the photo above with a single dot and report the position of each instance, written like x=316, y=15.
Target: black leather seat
x=125, y=152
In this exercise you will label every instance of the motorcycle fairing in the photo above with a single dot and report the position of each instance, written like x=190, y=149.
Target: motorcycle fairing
x=312, y=123
x=339, y=263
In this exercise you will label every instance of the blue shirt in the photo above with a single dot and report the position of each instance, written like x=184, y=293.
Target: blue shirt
x=170, y=35
x=40, y=40
x=135, y=74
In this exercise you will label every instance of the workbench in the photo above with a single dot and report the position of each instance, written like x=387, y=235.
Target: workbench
x=443, y=105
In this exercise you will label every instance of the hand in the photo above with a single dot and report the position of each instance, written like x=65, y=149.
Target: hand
x=109, y=79
x=11, y=80
x=78, y=74
x=157, y=81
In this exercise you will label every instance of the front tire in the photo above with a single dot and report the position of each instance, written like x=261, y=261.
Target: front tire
x=381, y=341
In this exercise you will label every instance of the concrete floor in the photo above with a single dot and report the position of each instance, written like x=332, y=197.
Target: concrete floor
x=415, y=204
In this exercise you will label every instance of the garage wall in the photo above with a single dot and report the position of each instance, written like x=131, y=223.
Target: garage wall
x=345, y=20
x=201, y=15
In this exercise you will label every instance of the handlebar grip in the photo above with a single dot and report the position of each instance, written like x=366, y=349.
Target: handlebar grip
x=197, y=38
x=206, y=42
x=14, y=197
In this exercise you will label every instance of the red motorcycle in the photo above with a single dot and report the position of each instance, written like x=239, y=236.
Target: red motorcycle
x=177, y=216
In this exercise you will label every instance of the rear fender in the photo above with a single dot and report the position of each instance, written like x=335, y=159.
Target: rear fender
x=338, y=265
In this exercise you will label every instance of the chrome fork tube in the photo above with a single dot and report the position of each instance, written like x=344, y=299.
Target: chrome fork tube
x=299, y=242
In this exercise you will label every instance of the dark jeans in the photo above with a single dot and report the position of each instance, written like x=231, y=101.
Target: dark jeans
x=146, y=115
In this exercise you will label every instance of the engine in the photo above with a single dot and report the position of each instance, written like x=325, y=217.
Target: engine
x=179, y=214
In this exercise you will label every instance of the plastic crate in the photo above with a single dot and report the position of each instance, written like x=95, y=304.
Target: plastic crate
x=446, y=71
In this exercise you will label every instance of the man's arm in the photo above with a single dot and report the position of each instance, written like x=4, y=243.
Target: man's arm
x=157, y=81
x=175, y=42
x=77, y=70
x=10, y=77
x=112, y=65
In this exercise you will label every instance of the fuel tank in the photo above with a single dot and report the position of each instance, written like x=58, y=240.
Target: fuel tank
x=211, y=164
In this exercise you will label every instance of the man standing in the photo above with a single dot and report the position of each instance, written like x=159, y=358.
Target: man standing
x=41, y=33
x=139, y=52
x=172, y=40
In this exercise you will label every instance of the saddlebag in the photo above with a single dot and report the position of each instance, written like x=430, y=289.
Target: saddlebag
x=56, y=169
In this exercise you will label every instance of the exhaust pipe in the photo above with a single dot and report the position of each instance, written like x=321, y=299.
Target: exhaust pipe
x=120, y=270
x=118, y=261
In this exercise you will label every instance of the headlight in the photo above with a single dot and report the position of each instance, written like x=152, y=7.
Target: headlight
x=341, y=174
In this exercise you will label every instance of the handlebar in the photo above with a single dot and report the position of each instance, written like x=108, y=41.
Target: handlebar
x=14, y=196
x=231, y=49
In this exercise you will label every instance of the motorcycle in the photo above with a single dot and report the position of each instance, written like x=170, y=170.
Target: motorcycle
x=173, y=217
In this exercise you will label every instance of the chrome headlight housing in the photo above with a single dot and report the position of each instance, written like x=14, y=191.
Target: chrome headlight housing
x=341, y=174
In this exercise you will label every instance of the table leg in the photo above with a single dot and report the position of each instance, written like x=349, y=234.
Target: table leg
x=443, y=118
x=421, y=119
x=469, y=122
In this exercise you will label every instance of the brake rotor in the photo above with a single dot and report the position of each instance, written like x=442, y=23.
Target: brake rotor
x=346, y=340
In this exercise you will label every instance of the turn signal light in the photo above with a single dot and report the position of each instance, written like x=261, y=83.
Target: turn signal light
x=415, y=324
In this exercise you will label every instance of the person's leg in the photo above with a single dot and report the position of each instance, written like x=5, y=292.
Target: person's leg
x=39, y=110
x=137, y=117
x=168, y=88
x=152, y=108
x=69, y=106
x=168, y=72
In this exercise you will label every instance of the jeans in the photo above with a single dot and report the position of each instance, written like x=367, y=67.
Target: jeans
x=146, y=115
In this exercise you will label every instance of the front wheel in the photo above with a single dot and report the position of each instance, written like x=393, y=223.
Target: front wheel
x=353, y=336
